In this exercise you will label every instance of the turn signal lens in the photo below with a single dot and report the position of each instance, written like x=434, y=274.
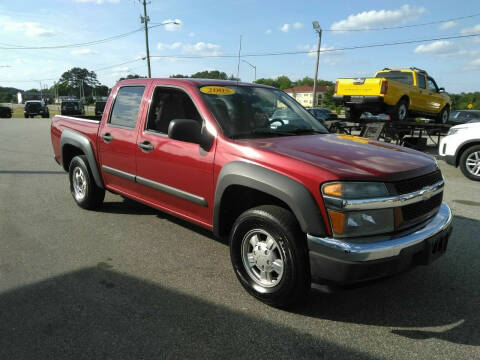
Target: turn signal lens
x=334, y=189
x=337, y=220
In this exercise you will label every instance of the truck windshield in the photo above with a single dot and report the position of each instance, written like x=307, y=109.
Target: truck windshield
x=404, y=77
x=33, y=105
x=249, y=111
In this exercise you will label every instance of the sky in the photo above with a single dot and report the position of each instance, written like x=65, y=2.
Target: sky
x=213, y=28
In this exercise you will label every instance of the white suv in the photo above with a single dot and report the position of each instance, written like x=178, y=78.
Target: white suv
x=461, y=147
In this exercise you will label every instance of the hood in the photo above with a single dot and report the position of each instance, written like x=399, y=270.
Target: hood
x=349, y=157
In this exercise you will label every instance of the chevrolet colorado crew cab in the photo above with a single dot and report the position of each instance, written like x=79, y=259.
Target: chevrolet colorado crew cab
x=399, y=93
x=298, y=205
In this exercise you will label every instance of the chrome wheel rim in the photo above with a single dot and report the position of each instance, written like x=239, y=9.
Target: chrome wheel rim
x=402, y=112
x=262, y=258
x=473, y=163
x=79, y=184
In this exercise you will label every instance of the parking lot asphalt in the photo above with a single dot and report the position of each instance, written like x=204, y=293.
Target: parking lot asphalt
x=129, y=282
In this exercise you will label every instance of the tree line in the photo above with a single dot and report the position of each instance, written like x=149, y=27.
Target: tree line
x=80, y=82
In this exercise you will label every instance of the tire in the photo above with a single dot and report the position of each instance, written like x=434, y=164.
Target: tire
x=284, y=284
x=85, y=192
x=442, y=118
x=400, y=111
x=353, y=114
x=470, y=162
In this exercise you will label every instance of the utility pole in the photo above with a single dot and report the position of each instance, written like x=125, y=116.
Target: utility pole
x=239, y=52
x=254, y=68
x=318, y=29
x=144, y=20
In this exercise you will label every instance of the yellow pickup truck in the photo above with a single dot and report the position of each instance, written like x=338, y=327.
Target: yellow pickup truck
x=399, y=93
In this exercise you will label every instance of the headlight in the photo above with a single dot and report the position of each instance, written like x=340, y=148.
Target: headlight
x=454, y=130
x=357, y=223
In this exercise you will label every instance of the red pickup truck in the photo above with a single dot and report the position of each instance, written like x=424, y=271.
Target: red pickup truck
x=298, y=205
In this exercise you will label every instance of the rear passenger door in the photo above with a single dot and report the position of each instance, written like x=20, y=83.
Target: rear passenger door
x=117, y=142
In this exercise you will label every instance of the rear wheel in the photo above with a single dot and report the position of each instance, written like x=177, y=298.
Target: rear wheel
x=442, y=118
x=353, y=114
x=85, y=192
x=470, y=162
x=269, y=255
x=400, y=111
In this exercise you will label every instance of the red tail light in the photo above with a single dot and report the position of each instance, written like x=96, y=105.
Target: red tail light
x=336, y=87
x=384, y=87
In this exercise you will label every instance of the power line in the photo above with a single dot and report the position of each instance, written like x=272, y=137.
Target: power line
x=6, y=46
x=406, y=26
x=95, y=42
x=56, y=78
x=272, y=53
x=314, y=51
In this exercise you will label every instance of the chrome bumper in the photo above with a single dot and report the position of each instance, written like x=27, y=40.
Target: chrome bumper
x=380, y=247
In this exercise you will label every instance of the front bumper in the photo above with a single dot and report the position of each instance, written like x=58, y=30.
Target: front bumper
x=449, y=159
x=344, y=261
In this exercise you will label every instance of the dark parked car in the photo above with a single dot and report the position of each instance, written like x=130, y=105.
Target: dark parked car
x=99, y=107
x=72, y=107
x=323, y=114
x=36, y=107
x=464, y=116
x=5, y=112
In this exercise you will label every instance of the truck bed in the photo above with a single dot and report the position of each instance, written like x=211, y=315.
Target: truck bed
x=86, y=125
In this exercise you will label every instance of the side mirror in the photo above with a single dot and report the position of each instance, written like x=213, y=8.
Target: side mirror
x=441, y=89
x=189, y=130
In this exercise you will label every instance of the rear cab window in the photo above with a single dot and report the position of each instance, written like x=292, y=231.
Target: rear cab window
x=400, y=76
x=127, y=106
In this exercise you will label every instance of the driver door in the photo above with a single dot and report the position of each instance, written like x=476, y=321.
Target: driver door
x=176, y=176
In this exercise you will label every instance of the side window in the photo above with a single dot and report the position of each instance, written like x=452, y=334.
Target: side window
x=431, y=85
x=169, y=104
x=126, y=106
x=421, y=81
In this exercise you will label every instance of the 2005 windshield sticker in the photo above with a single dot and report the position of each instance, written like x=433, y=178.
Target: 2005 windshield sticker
x=217, y=90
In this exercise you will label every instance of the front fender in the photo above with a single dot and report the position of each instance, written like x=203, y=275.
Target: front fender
x=291, y=192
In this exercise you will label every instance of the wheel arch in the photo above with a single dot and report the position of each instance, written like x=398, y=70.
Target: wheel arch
x=406, y=98
x=72, y=144
x=247, y=185
x=464, y=146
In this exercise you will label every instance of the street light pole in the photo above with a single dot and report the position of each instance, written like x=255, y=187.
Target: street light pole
x=318, y=29
x=254, y=68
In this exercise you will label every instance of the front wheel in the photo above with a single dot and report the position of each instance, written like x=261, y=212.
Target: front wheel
x=85, y=192
x=470, y=162
x=269, y=255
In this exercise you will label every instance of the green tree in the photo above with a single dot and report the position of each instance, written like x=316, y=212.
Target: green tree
x=305, y=81
x=102, y=90
x=131, y=76
x=283, y=82
x=72, y=80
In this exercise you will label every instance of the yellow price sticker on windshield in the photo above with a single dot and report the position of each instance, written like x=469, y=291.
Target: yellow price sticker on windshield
x=217, y=90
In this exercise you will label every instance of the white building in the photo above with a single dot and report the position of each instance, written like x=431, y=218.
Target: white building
x=303, y=94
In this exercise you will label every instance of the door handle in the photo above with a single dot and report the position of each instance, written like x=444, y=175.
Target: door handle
x=146, y=146
x=107, y=137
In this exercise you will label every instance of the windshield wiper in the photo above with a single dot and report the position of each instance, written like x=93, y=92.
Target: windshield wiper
x=305, y=131
x=261, y=132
